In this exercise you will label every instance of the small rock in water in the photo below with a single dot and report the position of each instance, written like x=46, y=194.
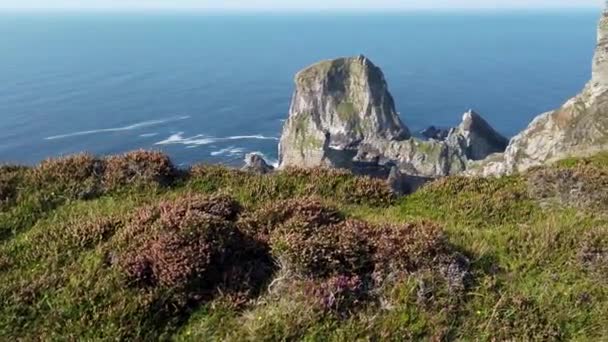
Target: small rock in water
x=256, y=163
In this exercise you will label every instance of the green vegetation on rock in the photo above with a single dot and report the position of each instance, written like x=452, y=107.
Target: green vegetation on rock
x=128, y=247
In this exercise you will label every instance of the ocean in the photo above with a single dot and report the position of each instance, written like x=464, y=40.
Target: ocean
x=213, y=87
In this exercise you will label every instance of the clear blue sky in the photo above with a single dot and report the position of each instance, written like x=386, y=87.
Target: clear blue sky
x=264, y=5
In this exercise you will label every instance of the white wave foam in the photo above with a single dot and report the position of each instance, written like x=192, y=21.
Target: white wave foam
x=200, y=139
x=148, y=135
x=119, y=129
x=229, y=151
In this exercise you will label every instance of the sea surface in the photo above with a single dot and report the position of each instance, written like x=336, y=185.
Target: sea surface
x=212, y=87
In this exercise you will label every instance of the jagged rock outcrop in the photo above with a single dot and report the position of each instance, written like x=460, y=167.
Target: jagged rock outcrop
x=578, y=128
x=255, y=163
x=342, y=115
x=476, y=137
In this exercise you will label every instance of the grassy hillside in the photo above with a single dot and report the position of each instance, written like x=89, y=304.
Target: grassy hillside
x=128, y=247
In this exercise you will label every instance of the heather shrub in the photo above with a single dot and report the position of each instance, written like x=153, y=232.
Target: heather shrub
x=139, y=168
x=191, y=246
x=77, y=176
x=408, y=247
x=264, y=220
x=317, y=241
x=338, y=294
x=325, y=250
x=581, y=186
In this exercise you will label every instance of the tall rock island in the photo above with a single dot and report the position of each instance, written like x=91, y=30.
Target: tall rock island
x=338, y=105
x=343, y=115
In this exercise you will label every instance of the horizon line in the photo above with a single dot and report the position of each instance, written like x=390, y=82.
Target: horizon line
x=199, y=10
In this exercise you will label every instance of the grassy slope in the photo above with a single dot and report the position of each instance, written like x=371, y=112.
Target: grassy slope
x=539, y=258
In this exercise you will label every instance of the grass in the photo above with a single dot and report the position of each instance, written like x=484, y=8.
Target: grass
x=131, y=248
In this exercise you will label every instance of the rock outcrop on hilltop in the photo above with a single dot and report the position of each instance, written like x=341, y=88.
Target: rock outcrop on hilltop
x=578, y=128
x=343, y=115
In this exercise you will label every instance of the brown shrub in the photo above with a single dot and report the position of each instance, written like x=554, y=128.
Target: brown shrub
x=77, y=176
x=170, y=259
x=408, y=247
x=583, y=186
x=140, y=168
x=320, y=251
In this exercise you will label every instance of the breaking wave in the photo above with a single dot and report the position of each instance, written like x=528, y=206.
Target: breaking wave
x=119, y=129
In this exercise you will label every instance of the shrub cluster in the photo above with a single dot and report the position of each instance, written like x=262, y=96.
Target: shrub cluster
x=139, y=168
x=581, y=186
x=191, y=246
x=317, y=241
x=82, y=176
x=76, y=176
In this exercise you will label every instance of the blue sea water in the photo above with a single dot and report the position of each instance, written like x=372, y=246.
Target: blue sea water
x=210, y=88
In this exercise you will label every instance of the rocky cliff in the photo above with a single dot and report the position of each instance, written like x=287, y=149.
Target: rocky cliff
x=578, y=128
x=343, y=115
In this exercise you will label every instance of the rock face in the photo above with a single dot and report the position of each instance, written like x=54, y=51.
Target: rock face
x=342, y=115
x=578, y=128
x=255, y=163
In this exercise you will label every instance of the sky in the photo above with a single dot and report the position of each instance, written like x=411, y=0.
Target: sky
x=292, y=5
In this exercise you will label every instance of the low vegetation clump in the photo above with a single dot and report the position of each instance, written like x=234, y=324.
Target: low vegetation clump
x=9, y=180
x=285, y=184
x=580, y=185
x=140, y=168
x=130, y=248
x=483, y=201
x=593, y=252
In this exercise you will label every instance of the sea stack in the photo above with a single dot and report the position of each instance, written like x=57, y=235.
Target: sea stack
x=337, y=105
